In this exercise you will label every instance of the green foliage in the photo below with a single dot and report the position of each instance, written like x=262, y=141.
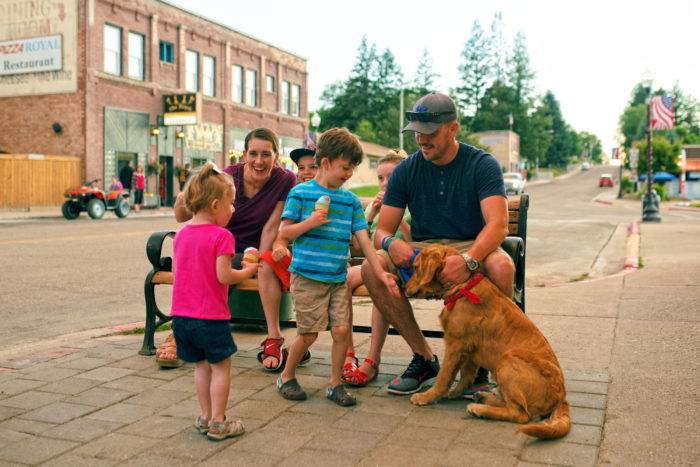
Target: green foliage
x=627, y=185
x=424, y=80
x=687, y=117
x=664, y=155
x=475, y=69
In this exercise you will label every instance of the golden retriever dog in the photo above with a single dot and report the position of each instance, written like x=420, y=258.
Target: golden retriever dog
x=495, y=334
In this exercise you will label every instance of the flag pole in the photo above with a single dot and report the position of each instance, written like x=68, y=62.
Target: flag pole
x=650, y=203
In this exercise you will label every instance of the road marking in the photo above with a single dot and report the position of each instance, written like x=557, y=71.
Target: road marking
x=73, y=238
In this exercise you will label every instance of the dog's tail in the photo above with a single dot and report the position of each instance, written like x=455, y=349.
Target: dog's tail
x=557, y=425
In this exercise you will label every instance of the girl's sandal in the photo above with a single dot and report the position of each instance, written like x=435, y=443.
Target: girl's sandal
x=166, y=354
x=359, y=378
x=350, y=366
x=272, y=347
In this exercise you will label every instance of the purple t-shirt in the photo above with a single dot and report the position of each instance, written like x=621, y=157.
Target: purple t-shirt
x=251, y=214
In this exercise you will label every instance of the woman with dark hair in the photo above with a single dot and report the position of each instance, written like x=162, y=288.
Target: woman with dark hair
x=261, y=191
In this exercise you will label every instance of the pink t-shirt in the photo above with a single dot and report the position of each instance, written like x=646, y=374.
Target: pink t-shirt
x=197, y=292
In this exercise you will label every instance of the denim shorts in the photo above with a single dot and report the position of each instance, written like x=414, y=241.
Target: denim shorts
x=203, y=339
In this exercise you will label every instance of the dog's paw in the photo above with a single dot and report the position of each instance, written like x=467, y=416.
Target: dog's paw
x=474, y=410
x=421, y=399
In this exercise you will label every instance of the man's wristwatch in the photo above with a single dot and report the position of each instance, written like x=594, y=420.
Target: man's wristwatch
x=472, y=264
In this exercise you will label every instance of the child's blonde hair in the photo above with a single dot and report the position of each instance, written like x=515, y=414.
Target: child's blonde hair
x=394, y=156
x=207, y=184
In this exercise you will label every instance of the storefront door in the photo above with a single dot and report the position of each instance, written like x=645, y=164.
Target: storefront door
x=165, y=182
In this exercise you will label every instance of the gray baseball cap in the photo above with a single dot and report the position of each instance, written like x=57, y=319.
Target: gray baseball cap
x=430, y=112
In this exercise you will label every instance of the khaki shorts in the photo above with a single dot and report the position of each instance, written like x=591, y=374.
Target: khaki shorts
x=462, y=246
x=319, y=304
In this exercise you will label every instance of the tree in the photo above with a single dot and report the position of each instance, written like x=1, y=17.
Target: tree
x=494, y=107
x=367, y=101
x=559, y=152
x=664, y=155
x=520, y=75
x=474, y=70
x=424, y=80
x=498, y=48
x=589, y=147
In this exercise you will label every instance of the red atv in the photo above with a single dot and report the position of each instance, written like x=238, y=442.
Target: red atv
x=95, y=201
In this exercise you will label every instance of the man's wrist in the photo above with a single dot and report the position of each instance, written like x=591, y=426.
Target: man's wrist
x=471, y=263
x=386, y=242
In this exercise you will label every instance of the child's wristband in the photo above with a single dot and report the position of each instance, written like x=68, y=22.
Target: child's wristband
x=386, y=242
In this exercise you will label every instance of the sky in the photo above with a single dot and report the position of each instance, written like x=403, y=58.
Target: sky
x=589, y=54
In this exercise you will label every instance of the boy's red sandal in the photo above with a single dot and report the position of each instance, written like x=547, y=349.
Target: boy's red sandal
x=350, y=367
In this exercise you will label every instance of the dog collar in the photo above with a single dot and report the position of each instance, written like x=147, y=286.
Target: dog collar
x=464, y=292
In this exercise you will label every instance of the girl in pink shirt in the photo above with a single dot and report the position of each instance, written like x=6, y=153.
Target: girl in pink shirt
x=202, y=274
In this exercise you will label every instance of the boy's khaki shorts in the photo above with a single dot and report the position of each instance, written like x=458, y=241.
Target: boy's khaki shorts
x=319, y=304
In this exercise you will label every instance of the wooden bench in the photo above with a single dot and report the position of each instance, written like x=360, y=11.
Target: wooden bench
x=161, y=274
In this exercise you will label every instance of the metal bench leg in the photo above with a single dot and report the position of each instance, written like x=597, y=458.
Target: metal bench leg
x=148, y=347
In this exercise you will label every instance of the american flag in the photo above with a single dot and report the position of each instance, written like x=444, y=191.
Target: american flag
x=662, y=113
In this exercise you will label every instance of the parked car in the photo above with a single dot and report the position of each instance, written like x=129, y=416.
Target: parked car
x=514, y=182
x=605, y=180
x=585, y=166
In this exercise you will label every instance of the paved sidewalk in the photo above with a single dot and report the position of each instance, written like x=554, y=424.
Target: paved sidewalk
x=628, y=344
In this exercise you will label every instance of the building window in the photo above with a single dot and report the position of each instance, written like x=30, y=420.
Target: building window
x=373, y=162
x=136, y=56
x=191, y=71
x=296, y=102
x=113, y=50
x=167, y=54
x=270, y=83
x=285, y=97
x=209, y=76
x=237, y=83
x=251, y=87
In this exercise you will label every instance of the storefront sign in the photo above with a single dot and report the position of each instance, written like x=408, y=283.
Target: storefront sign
x=181, y=109
x=38, y=47
x=205, y=137
x=31, y=55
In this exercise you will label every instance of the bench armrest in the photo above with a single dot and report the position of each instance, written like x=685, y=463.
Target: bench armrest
x=154, y=250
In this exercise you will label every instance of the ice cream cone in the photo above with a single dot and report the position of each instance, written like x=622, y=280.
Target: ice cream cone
x=250, y=255
x=323, y=203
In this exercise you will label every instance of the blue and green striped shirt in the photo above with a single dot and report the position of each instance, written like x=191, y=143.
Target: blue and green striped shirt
x=321, y=254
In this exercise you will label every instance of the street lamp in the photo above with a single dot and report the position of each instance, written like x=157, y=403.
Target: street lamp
x=650, y=203
x=315, y=120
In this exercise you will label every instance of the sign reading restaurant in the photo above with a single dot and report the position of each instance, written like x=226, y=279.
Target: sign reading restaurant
x=33, y=55
x=181, y=109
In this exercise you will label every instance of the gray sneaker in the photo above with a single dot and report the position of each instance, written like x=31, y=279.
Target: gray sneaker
x=221, y=430
x=420, y=374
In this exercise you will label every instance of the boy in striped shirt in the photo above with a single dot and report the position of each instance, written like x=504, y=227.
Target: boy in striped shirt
x=319, y=264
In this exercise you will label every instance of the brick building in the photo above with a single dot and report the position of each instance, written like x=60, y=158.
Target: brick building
x=101, y=97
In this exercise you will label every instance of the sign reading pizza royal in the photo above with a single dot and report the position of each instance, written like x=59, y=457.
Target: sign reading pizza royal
x=31, y=55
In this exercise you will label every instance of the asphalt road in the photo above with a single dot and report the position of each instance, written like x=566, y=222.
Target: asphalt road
x=60, y=277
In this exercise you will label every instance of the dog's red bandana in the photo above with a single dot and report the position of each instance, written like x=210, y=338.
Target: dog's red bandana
x=464, y=292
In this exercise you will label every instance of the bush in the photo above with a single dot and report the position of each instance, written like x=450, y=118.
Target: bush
x=660, y=190
x=627, y=186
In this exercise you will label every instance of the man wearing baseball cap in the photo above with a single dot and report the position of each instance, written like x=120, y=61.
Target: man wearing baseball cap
x=456, y=196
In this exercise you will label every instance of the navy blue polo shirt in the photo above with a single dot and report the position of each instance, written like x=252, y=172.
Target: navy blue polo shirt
x=444, y=199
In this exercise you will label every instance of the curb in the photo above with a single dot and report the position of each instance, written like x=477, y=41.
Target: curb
x=10, y=218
